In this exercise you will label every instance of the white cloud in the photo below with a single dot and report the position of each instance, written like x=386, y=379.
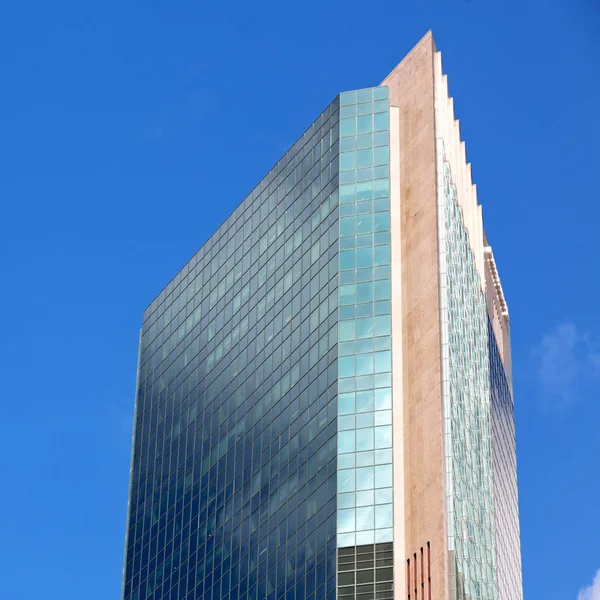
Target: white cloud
x=567, y=358
x=593, y=591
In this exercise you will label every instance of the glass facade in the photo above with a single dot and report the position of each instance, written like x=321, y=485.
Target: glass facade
x=365, y=511
x=365, y=493
x=504, y=458
x=233, y=483
x=467, y=412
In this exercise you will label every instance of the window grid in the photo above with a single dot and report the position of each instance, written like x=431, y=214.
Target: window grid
x=364, y=477
x=233, y=489
x=467, y=414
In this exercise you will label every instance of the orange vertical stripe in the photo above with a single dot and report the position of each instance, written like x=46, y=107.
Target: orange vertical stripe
x=429, y=570
x=416, y=584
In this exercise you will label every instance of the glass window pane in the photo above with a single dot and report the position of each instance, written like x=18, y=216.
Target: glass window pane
x=347, y=461
x=348, y=160
x=365, y=95
x=365, y=518
x=382, y=325
x=382, y=380
x=383, y=398
x=382, y=255
x=381, y=155
x=347, y=330
x=348, y=126
x=384, y=496
x=383, y=516
x=346, y=500
x=364, y=478
x=364, y=190
x=381, y=187
x=364, y=257
x=365, y=420
x=346, y=385
x=365, y=382
x=346, y=366
x=345, y=348
x=382, y=307
x=347, y=312
x=348, y=209
x=382, y=221
x=346, y=540
x=382, y=535
x=346, y=277
x=364, y=174
x=365, y=498
x=362, y=241
x=382, y=290
x=364, y=439
x=348, y=259
x=364, y=124
x=383, y=457
x=348, y=226
x=346, y=480
x=364, y=292
x=347, y=243
x=381, y=204
x=383, y=417
x=381, y=138
x=364, y=538
x=364, y=401
x=383, y=476
x=364, y=158
x=349, y=177
x=350, y=97
x=364, y=327
x=346, y=520
x=365, y=224
x=381, y=92
x=364, y=141
x=365, y=345
x=365, y=459
x=348, y=194
x=381, y=121
x=346, y=403
x=349, y=143
x=383, y=436
x=366, y=108
x=383, y=361
x=383, y=272
x=382, y=343
x=347, y=294
x=364, y=310
x=347, y=422
x=364, y=364
x=346, y=441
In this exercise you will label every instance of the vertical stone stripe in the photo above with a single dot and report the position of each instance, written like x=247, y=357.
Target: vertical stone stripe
x=412, y=92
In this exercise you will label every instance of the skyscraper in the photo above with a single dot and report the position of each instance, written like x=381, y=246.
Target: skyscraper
x=324, y=401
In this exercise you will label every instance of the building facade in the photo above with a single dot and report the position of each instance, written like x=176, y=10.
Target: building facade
x=324, y=401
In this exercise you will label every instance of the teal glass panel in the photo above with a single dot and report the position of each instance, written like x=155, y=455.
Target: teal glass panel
x=364, y=361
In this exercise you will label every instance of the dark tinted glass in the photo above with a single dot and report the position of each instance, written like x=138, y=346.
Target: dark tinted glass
x=233, y=491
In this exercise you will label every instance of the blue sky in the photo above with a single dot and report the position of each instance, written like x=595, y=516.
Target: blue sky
x=128, y=132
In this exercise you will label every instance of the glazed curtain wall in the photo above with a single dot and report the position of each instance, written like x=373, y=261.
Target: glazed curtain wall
x=467, y=411
x=233, y=484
